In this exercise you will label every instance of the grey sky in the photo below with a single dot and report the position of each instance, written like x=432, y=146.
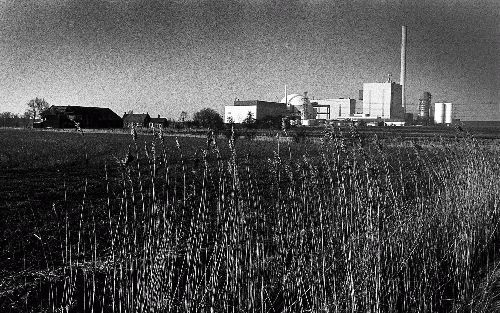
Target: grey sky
x=164, y=57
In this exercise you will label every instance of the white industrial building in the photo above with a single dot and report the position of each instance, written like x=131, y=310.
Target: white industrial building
x=443, y=113
x=331, y=109
x=240, y=110
x=383, y=100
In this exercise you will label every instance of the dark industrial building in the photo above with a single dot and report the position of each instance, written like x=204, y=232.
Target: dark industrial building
x=86, y=117
x=136, y=120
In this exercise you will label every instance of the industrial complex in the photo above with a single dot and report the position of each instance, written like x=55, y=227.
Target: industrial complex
x=380, y=103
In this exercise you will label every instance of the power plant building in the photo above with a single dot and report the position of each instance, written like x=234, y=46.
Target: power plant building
x=240, y=110
x=377, y=101
x=383, y=100
x=331, y=109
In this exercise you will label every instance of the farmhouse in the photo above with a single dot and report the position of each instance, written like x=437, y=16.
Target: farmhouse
x=159, y=122
x=136, y=120
x=86, y=117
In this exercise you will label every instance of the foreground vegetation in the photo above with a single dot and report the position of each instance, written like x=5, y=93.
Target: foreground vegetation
x=346, y=225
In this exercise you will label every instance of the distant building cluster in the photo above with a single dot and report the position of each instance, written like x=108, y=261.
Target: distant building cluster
x=95, y=117
x=378, y=103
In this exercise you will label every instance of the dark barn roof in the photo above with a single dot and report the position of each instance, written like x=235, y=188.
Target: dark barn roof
x=87, y=117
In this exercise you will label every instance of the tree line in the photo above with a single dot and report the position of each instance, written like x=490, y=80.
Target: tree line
x=34, y=108
x=9, y=119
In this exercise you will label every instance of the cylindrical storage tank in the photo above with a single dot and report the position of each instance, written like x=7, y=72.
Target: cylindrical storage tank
x=438, y=113
x=447, y=113
x=424, y=106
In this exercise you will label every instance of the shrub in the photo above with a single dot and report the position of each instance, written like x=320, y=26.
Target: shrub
x=208, y=118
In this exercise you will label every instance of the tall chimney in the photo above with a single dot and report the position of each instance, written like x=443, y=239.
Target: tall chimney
x=403, y=66
x=286, y=97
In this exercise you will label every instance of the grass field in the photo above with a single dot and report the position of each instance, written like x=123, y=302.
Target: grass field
x=350, y=222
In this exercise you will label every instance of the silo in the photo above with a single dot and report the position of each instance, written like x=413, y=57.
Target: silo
x=447, y=113
x=438, y=113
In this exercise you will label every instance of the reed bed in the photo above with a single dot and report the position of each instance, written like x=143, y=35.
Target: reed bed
x=363, y=226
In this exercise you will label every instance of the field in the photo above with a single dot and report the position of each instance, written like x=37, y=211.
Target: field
x=348, y=221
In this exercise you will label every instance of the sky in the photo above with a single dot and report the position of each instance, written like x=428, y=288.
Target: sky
x=165, y=57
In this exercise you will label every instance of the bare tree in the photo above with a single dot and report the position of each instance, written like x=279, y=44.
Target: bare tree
x=37, y=106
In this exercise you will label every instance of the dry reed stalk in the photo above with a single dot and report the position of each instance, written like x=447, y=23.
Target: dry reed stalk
x=360, y=228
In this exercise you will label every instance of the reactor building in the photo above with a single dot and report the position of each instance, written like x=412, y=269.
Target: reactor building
x=300, y=108
x=383, y=101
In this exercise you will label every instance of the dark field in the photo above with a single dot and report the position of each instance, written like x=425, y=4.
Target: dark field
x=345, y=221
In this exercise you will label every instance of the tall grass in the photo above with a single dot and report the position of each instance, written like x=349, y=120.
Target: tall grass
x=365, y=226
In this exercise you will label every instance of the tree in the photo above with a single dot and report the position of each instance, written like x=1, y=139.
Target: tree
x=208, y=118
x=249, y=121
x=27, y=115
x=183, y=117
x=37, y=106
x=5, y=118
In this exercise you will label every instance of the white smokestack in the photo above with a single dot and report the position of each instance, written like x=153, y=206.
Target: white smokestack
x=286, y=97
x=403, y=65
